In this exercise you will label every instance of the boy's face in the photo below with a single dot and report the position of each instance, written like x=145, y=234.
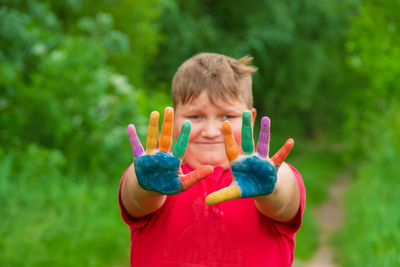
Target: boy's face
x=206, y=142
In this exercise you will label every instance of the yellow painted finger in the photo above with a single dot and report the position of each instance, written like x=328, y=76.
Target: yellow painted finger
x=166, y=130
x=152, y=132
x=224, y=194
x=231, y=148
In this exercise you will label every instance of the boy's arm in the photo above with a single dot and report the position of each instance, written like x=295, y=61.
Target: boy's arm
x=137, y=201
x=284, y=202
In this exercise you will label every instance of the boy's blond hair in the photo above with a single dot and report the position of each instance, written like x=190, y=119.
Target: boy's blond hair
x=222, y=77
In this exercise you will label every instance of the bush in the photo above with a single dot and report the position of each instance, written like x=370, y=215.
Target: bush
x=297, y=47
x=56, y=218
x=371, y=236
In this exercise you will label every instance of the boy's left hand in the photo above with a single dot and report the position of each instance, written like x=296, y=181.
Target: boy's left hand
x=254, y=173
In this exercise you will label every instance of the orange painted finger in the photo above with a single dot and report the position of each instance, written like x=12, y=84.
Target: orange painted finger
x=195, y=176
x=152, y=132
x=231, y=148
x=224, y=194
x=166, y=130
x=281, y=155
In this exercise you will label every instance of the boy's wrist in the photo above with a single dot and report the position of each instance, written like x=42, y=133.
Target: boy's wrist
x=137, y=201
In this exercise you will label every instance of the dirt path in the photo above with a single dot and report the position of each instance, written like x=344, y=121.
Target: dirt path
x=330, y=218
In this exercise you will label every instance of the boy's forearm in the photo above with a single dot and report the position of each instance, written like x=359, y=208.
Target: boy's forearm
x=137, y=201
x=284, y=202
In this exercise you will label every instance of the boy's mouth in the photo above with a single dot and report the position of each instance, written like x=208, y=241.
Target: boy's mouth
x=210, y=143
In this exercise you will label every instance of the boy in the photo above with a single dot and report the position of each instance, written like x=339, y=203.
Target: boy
x=186, y=208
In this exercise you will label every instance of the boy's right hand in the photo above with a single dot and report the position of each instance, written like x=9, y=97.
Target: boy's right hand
x=157, y=169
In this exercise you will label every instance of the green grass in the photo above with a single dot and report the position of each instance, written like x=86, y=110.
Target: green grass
x=53, y=219
x=371, y=236
x=319, y=164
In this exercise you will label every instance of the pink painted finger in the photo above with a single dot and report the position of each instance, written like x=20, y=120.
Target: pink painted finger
x=137, y=148
x=281, y=155
x=152, y=132
x=166, y=130
x=231, y=148
x=263, y=139
x=195, y=176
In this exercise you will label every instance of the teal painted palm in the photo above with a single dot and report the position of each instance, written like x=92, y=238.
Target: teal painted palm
x=159, y=172
x=254, y=176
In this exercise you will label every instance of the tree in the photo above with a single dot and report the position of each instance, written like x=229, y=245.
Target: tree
x=297, y=46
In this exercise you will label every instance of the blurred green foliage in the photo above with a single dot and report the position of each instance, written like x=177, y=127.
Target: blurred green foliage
x=75, y=73
x=49, y=218
x=65, y=102
x=373, y=55
x=297, y=47
x=371, y=236
x=60, y=86
x=317, y=179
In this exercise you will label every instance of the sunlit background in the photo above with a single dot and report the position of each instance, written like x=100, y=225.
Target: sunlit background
x=75, y=73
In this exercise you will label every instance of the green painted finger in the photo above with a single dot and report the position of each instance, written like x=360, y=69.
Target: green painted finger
x=183, y=140
x=247, y=133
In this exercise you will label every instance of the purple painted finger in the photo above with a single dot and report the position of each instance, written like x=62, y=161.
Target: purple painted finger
x=263, y=139
x=137, y=148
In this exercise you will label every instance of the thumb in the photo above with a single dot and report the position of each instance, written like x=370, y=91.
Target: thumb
x=224, y=194
x=195, y=176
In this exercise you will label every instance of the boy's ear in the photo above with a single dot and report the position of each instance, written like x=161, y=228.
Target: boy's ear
x=253, y=116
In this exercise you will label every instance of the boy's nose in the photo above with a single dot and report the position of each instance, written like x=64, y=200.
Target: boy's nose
x=212, y=129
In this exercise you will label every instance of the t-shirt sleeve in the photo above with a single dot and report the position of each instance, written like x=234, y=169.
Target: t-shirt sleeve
x=290, y=228
x=133, y=223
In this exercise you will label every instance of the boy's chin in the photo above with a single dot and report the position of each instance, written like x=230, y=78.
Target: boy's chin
x=224, y=164
x=207, y=160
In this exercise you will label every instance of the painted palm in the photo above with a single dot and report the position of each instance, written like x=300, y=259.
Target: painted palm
x=254, y=173
x=156, y=168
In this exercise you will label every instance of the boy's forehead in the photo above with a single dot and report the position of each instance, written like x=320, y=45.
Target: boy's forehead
x=204, y=100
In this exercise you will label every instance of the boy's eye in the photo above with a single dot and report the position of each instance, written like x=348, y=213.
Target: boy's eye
x=226, y=117
x=195, y=117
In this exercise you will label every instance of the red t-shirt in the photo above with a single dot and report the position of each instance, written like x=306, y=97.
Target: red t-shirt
x=187, y=232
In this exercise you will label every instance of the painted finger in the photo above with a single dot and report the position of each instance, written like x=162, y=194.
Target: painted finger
x=231, y=148
x=247, y=133
x=263, y=139
x=281, y=155
x=195, y=176
x=137, y=148
x=224, y=194
x=152, y=132
x=183, y=139
x=166, y=130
